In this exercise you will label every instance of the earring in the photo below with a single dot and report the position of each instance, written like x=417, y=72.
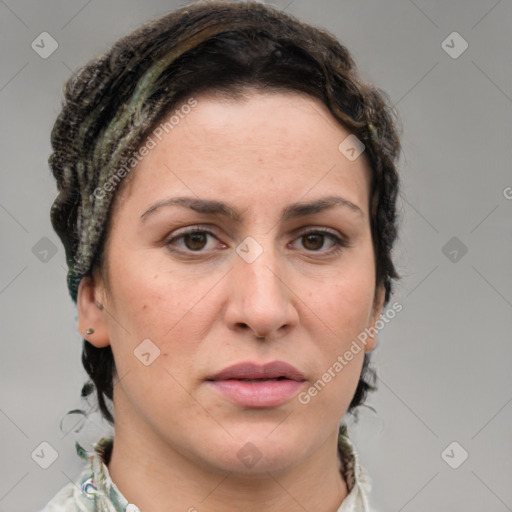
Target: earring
x=90, y=330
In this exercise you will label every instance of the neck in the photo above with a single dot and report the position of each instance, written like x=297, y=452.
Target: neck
x=158, y=478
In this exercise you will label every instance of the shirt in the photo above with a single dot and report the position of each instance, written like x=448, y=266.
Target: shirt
x=94, y=490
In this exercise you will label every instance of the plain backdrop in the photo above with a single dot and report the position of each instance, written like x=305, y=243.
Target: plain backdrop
x=444, y=361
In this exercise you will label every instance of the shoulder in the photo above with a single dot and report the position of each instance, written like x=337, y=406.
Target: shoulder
x=80, y=495
x=71, y=498
x=358, y=481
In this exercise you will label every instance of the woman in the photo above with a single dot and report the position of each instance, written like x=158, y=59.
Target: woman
x=227, y=188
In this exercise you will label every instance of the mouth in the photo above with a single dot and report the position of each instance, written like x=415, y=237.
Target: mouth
x=258, y=386
x=249, y=371
x=259, y=380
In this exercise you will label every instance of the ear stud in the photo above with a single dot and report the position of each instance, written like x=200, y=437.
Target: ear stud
x=90, y=330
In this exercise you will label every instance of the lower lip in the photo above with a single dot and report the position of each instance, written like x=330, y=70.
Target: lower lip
x=265, y=393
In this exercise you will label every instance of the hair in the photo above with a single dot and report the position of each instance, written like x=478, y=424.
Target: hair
x=113, y=102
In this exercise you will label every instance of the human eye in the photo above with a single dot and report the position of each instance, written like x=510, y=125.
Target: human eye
x=314, y=240
x=190, y=240
x=195, y=240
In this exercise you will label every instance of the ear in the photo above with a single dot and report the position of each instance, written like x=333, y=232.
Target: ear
x=91, y=312
x=378, y=304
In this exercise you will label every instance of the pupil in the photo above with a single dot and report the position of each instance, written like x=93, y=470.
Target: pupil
x=198, y=240
x=317, y=238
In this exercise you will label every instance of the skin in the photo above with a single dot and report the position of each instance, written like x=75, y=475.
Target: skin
x=176, y=438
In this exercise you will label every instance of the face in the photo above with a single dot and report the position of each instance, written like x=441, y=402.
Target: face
x=272, y=239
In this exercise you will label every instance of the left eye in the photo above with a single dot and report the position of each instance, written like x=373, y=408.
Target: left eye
x=196, y=239
x=315, y=240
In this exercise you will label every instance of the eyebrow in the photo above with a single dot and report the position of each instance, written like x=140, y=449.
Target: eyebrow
x=292, y=211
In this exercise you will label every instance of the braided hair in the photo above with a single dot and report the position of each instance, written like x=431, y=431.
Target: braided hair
x=113, y=102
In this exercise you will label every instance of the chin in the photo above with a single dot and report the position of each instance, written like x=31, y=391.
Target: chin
x=259, y=450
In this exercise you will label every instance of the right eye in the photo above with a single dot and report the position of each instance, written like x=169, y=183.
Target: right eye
x=191, y=240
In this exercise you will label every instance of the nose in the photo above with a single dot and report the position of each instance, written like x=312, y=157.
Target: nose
x=260, y=298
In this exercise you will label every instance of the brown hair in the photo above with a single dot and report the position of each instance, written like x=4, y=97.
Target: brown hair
x=114, y=101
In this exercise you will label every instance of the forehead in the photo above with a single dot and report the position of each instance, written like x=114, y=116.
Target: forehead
x=279, y=140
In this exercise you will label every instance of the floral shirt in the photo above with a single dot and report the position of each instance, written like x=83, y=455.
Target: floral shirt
x=94, y=490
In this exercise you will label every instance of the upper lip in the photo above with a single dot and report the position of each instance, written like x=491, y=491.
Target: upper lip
x=250, y=370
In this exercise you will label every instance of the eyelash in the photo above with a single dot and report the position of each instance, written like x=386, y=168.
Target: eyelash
x=339, y=243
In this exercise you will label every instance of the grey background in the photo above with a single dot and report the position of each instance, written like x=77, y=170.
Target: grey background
x=444, y=360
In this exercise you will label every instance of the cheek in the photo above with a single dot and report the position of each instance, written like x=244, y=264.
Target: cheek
x=339, y=354
x=149, y=294
x=153, y=301
x=346, y=305
x=153, y=304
